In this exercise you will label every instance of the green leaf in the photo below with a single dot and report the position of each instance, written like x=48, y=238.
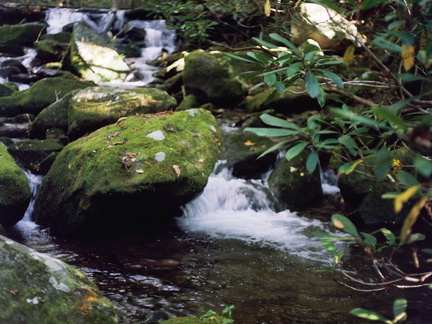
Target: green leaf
x=270, y=132
x=399, y=306
x=270, y=79
x=409, y=77
x=382, y=163
x=368, y=4
x=407, y=179
x=349, y=143
x=279, y=122
x=239, y=58
x=416, y=237
x=312, y=161
x=391, y=238
x=260, y=58
x=355, y=117
x=386, y=44
x=321, y=97
x=373, y=316
x=273, y=148
x=293, y=68
x=295, y=150
x=334, y=237
x=264, y=43
x=280, y=87
x=369, y=240
x=312, y=85
x=329, y=246
x=423, y=166
x=349, y=167
x=334, y=77
x=343, y=223
x=386, y=114
x=286, y=42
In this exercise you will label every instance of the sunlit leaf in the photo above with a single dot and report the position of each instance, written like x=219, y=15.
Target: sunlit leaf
x=278, y=122
x=348, y=56
x=271, y=132
x=408, y=57
x=270, y=79
x=373, y=316
x=391, y=238
x=416, y=237
x=312, y=85
x=343, y=223
x=369, y=239
x=349, y=167
x=412, y=218
x=312, y=161
x=295, y=150
x=404, y=197
x=267, y=8
x=321, y=97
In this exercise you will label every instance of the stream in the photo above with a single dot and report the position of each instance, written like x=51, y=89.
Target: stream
x=231, y=246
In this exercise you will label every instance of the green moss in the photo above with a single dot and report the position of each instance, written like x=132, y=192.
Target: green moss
x=23, y=34
x=119, y=167
x=40, y=289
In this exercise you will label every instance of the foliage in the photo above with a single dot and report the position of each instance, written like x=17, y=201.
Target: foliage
x=211, y=317
x=399, y=307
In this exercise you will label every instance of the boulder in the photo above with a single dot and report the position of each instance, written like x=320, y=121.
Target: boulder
x=242, y=152
x=53, y=47
x=130, y=174
x=37, y=288
x=93, y=58
x=55, y=116
x=95, y=107
x=22, y=34
x=38, y=96
x=30, y=153
x=323, y=25
x=209, y=80
x=7, y=88
x=14, y=190
x=294, y=185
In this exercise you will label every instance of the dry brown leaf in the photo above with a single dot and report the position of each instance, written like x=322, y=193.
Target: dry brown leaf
x=249, y=143
x=177, y=170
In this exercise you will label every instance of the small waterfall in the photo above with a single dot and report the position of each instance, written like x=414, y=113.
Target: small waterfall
x=241, y=209
x=329, y=182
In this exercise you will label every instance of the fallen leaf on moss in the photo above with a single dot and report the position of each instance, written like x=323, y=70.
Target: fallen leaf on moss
x=249, y=143
x=139, y=171
x=177, y=170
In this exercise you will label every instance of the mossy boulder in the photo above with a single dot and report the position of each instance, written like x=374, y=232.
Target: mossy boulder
x=53, y=47
x=207, y=78
x=7, y=88
x=294, y=185
x=242, y=152
x=293, y=100
x=22, y=34
x=134, y=172
x=55, y=116
x=40, y=95
x=362, y=193
x=37, y=288
x=95, y=107
x=14, y=190
x=31, y=153
x=93, y=58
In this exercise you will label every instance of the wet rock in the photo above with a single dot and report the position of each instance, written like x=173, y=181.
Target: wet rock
x=12, y=50
x=22, y=34
x=156, y=317
x=205, y=77
x=30, y=153
x=242, y=152
x=93, y=58
x=37, y=288
x=129, y=174
x=14, y=190
x=7, y=88
x=38, y=96
x=294, y=185
x=95, y=107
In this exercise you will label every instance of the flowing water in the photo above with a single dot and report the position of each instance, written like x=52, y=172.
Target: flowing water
x=233, y=245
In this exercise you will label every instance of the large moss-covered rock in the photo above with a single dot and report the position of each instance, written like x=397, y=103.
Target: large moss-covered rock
x=40, y=95
x=133, y=172
x=95, y=107
x=294, y=185
x=207, y=78
x=53, y=47
x=93, y=59
x=36, y=288
x=22, y=34
x=14, y=190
